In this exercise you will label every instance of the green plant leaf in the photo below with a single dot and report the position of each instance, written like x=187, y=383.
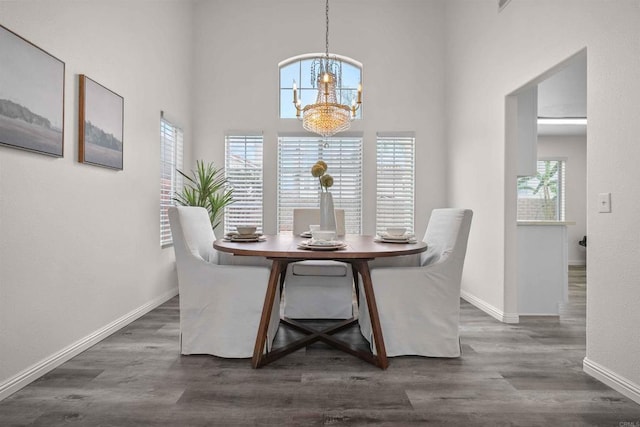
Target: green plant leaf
x=207, y=187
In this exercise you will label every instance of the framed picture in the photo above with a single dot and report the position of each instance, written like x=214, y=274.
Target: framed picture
x=101, y=125
x=31, y=96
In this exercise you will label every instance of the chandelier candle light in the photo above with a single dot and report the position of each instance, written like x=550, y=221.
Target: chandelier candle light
x=327, y=116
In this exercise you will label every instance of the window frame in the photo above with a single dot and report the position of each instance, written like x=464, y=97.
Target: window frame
x=171, y=160
x=255, y=177
x=306, y=85
x=399, y=178
x=560, y=204
x=347, y=189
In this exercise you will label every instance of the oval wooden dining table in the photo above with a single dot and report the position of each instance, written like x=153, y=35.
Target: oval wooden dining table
x=283, y=250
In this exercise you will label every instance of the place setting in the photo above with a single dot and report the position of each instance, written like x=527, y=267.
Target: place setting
x=395, y=235
x=321, y=240
x=245, y=234
x=309, y=233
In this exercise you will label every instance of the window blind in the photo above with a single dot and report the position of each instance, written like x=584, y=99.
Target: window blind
x=243, y=169
x=395, y=182
x=298, y=189
x=171, y=158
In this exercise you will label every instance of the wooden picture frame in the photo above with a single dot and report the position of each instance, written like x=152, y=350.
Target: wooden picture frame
x=101, y=124
x=31, y=96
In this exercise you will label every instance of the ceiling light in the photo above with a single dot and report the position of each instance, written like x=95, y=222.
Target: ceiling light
x=327, y=116
x=562, y=120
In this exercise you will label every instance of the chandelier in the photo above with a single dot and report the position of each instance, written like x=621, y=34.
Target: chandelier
x=327, y=116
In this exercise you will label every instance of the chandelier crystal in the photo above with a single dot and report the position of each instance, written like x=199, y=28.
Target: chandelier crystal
x=327, y=116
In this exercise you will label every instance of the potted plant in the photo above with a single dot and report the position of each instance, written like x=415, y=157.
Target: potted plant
x=206, y=187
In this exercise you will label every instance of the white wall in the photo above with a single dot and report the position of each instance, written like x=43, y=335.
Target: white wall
x=400, y=43
x=574, y=150
x=491, y=54
x=79, y=244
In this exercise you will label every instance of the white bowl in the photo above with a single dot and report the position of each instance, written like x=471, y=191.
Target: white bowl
x=245, y=230
x=396, y=231
x=323, y=235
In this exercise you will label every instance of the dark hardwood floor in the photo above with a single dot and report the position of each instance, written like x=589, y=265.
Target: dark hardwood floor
x=529, y=374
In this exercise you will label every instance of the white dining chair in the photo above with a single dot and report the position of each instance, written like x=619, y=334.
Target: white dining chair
x=220, y=305
x=318, y=289
x=304, y=217
x=419, y=307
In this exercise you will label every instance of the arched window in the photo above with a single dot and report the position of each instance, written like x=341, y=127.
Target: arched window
x=298, y=70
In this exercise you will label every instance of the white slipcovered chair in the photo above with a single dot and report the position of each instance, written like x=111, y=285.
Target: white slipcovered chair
x=318, y=289
x=419, y=306
x=220, y=305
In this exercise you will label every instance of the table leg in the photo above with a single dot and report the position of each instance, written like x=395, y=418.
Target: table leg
x=356, y=283
x=278, y=267
x=363, y=268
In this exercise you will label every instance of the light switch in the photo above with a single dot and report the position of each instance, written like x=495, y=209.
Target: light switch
x=604, y=202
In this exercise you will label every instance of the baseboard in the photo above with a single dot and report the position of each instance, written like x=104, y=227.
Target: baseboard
x=490, y=309
x=34, y=372
x=616, y=382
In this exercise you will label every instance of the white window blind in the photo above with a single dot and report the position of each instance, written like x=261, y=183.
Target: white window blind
x=243, y=168
x=171, y=152
x=298, y=189
x=395, y=183
x=542, y=197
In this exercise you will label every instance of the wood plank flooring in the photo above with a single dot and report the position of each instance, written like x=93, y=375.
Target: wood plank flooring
x=529, y=374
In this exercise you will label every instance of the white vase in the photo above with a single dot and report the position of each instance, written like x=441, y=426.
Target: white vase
x=327, y=213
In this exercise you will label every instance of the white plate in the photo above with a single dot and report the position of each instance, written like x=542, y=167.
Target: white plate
x=384, y=235
x=380, y=239
x=312, y=242
x=305, y=234
x=325, y=246
x=243, y=239
x=234, y=235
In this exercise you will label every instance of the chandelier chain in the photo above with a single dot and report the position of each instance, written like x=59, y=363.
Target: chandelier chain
x=327, y=33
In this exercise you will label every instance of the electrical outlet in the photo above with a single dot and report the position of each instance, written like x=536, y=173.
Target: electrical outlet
x=604, y=202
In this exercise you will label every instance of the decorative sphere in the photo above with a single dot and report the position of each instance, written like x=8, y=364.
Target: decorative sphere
x=326, y=180
x=317, y=170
